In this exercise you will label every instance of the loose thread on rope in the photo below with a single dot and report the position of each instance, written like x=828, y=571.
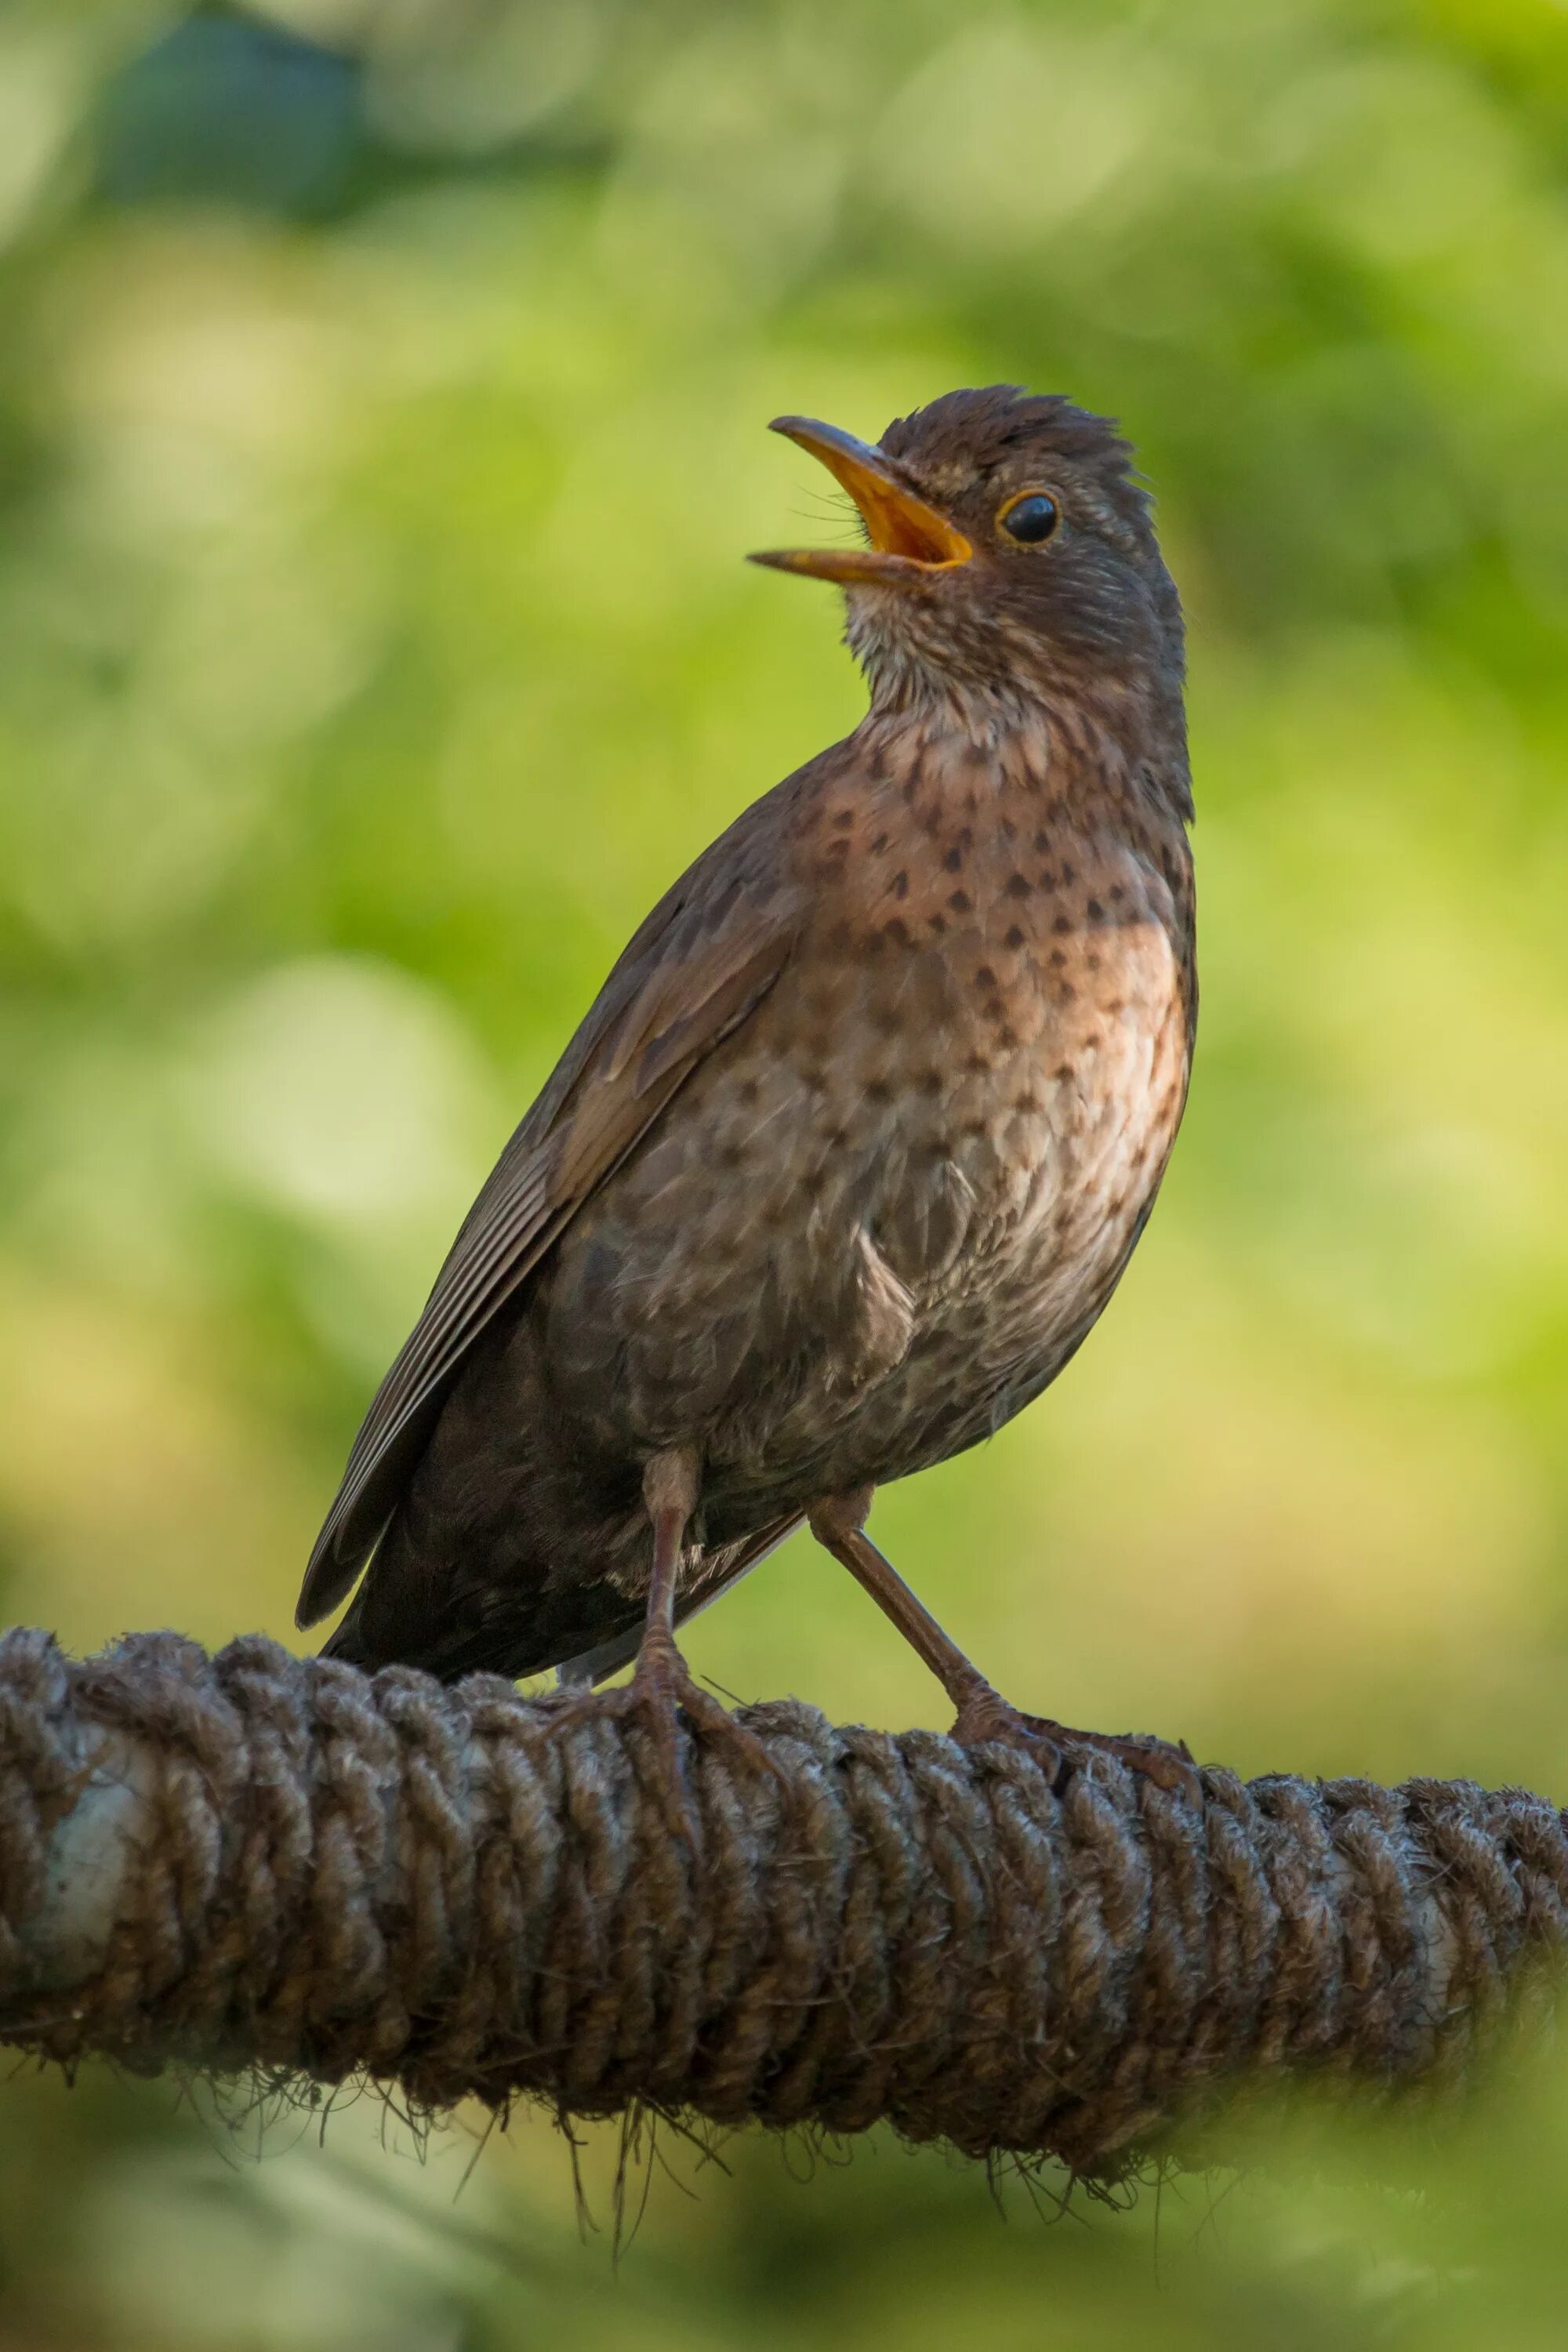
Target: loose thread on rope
x=250, y=1860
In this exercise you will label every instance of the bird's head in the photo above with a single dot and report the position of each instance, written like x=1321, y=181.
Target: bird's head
x=1009, y=554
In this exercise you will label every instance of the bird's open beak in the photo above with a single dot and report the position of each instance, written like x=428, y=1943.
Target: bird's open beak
x=910, y=540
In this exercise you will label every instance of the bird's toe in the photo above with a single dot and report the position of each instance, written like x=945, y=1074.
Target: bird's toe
x=1059, y=1750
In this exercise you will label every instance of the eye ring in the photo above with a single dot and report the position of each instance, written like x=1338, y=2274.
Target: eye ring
x=1030, y=518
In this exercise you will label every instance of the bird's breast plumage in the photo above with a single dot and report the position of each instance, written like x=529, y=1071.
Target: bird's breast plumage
x=877, y=1220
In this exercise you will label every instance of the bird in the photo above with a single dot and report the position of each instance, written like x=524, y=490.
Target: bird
x=853, y=1146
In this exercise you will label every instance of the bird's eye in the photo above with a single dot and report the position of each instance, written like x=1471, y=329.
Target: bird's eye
x=1030, y=518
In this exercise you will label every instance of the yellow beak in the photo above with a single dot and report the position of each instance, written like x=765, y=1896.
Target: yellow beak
x=910, y=540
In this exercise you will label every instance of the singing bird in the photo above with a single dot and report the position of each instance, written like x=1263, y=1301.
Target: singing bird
x=851, y=1149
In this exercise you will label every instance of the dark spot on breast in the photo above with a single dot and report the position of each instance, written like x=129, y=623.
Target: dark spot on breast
x=1018, y=886
x=732, y=1155
x=1042, y=841
x=877, y=1090
x=1066, y=993
x=1092, y=961
x=976, y=1129
x=1117, y=1004
x=900, y=885
x=1117, y=894
x=844, y=819
x=1062, y=1070
x=1095, y=911
x=1027, y=1104
x=879, y=845
x=1069, y=873
x=1014, y=937
x=1058, y=959
x=977, y=1061
x=1047, y=879
x=840, y=937
x=938, y=923
x=898, y=930
x=954, y=860
x=930, y=1082
x=1007, y=1039
x=839, y=848
x=985, y=977
x=993, y=1008
x=1008, y=829
x=1061, y=924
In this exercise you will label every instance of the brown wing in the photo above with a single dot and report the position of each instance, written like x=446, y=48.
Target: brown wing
x=701, y=962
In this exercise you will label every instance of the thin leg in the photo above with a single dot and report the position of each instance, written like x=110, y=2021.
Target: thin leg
x=671, y=1487
x=838, y=1523
x=660, y=1684
x=661, y=1690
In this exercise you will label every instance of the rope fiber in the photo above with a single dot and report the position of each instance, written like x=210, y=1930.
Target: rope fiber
x=254, y=1860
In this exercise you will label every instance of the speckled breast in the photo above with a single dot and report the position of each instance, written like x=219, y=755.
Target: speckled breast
x=912, y=1178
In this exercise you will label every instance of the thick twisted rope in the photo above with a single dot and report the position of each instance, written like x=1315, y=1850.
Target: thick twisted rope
x=249, y=1859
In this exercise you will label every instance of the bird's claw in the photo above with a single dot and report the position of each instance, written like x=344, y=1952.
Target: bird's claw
x=1168, y=1764
x=668, y=1705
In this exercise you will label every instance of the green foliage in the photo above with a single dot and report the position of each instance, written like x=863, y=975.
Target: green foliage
x=380, y=434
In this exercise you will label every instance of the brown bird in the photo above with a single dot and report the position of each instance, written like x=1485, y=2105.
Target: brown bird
x=859, y=1133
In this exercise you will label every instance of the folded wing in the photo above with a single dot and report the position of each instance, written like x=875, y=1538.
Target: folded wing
x=698, y=967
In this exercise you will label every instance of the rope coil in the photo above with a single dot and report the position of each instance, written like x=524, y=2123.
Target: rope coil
x=251, y=1858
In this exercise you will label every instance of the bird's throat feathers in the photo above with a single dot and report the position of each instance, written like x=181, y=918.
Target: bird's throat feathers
x=1022, y=715
x=1085, y=756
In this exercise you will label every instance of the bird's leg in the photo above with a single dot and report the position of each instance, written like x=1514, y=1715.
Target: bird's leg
x=662, y=1687
x=660, y=1684
x=838, y=1523
x=670, y=1485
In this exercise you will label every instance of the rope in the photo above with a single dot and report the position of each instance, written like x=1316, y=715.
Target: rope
x=252, y=1860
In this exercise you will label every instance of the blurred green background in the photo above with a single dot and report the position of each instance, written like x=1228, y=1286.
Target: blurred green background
x=382, y=394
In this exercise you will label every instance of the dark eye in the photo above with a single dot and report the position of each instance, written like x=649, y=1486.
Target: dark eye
x=1031, y=518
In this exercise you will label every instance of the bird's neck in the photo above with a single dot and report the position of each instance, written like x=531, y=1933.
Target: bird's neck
x=1084, y=754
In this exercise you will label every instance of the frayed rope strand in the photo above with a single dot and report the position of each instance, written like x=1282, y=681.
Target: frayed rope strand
x=254, y=1861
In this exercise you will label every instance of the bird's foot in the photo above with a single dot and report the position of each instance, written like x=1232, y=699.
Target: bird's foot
x=659, y=1696
x=664, y=1704
x=986, y=1715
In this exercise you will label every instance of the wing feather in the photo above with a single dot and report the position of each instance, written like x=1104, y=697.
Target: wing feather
x=698, y=967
